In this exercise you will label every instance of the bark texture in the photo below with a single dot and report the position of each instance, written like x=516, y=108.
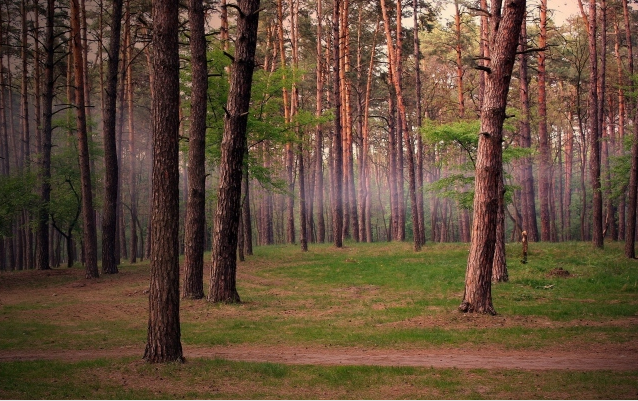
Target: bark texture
x=88, y=217
x=196, y=206
x=224, y=267
x=163, y=342
x=503, y=40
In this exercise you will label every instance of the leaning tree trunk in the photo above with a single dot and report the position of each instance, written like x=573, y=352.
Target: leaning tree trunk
x=503, y=40
x=163, y=341
x=224, y=269
x=194, y=236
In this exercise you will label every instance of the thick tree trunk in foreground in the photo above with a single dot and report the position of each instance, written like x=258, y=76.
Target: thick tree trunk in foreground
x=224, y=269
x=503, y=40
x=163, y=341
x=196, y=206
x=111, y=168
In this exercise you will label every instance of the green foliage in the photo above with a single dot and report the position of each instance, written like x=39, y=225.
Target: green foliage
x=16, y=194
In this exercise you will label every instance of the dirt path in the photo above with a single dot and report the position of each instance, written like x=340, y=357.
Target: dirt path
x=608, y=358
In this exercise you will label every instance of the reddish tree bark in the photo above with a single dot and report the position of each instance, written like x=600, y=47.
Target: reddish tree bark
x=504, y=33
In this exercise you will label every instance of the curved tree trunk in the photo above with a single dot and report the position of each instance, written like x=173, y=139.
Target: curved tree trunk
x=224, y=269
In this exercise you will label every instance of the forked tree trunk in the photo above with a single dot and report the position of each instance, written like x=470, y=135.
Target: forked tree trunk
x=224, y=267
x=111, y=168
x=194, y=235
x=163, y=341
x=503, y=40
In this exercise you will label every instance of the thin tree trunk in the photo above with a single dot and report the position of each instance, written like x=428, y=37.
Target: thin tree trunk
x=321, y=225
x=594, y=128
x=337, y=151
x=396, y=71
x=42, y=258
x=526, y=175
x=131, y=138
x=419, y=123
x=111, y=167
x=544, y=145
x=88, y=215
x=246, y=219
x=195, y=223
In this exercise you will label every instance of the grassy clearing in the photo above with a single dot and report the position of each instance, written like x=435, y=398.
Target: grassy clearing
x=218, y=379
x=380, y=296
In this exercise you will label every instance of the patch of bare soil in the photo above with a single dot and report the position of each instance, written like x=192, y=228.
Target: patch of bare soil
x=558, y=272
x=608, y=357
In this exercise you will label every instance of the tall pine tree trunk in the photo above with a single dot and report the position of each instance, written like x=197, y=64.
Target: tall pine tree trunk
x=503, y=40
x=42, y=258
x=88, y=215
x=195, y=223
x=111, y=167
x=164, y=335
x=227, y=214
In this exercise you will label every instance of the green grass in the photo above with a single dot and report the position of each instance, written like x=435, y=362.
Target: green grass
x=218, y=379
x=365, y=295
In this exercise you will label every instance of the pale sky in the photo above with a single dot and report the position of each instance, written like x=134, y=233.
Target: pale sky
x=562, y=9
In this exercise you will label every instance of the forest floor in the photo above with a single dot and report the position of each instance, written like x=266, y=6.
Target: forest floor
x=360, y=322
x=603, y=357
